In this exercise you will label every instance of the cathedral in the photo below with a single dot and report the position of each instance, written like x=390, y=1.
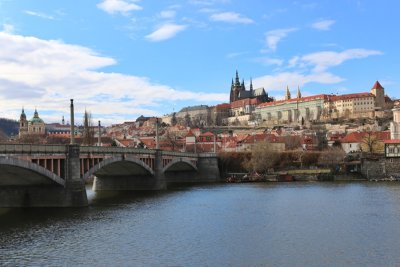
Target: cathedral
x=239, y=92
x=34, y=126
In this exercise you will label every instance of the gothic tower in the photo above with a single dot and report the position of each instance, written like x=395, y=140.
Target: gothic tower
x=298, y=92
x=287, y=95
x=236, y=87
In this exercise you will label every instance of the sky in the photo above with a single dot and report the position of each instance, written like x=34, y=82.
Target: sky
x=120, y=59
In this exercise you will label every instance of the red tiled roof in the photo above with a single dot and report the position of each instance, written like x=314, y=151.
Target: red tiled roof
x=302, y=99
x=223, y=106
x=207, y=134
x=392, y=141
x=350, y=96
x=244, y=102
x=377, y=85
x=357, y=137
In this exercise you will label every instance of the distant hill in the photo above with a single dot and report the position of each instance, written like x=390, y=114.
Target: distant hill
x=9, y=127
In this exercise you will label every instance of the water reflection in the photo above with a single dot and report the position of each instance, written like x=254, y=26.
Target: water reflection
x=301, y=224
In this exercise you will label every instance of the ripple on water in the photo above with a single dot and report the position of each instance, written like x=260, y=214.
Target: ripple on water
x=302, y=224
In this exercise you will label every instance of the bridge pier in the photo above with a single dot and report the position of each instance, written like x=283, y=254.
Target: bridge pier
x=207, y=172
x=74, y=184
x=116, y=178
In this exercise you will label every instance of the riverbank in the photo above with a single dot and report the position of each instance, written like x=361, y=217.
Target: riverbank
x=300, y=175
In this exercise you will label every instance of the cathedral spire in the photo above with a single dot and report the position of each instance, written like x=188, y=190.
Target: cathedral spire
x=242, y=86
x=287, y=95
x=298, y=92
x=237, y=81
x=251, y=84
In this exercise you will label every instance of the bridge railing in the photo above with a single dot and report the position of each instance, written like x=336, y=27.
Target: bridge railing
x=29, y=148
x=114, y=150
x=179, y=154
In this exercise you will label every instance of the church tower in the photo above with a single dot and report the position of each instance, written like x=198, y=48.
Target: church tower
x=287, y=95
x=23, y=124
x=379, y=92
x=236, y=87
x=298, y=92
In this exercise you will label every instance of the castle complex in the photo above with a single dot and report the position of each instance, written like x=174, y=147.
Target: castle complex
x=256, y=107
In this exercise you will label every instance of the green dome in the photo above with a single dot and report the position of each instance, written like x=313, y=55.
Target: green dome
x=37, y=120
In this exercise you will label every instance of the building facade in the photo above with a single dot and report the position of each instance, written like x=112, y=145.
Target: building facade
x=34, y=126
x=291, y=110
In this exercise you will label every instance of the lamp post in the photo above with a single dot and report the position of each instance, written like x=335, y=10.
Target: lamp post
x=72, y=122
x=99, y=137
x=157, y=137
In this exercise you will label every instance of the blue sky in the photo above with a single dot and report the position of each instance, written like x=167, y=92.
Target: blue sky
x=123, y=58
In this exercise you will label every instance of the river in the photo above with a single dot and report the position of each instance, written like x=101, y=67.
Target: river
x=265, y=224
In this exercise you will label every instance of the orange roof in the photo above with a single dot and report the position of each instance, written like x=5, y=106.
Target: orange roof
x=392, y=141
x=377, y=85
x=301, y=99
x=246, y=101
x=190, y=133
x=350, y=96
x=357, y=137
x=223, y=106
x=207, y=134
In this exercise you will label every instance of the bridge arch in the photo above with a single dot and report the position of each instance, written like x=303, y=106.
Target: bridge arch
x=114, y=160
x=180, y=164
x=32, y=168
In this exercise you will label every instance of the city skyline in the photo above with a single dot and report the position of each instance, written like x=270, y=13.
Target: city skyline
x=121, y=59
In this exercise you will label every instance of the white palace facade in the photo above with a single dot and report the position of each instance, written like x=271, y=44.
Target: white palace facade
x=321, y=107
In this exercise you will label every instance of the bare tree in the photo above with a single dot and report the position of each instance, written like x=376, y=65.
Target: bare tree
x=263, y=157
x=332, y=157
x=88, y=130
x=371, y=143
x=172, y=139
x=31, y=139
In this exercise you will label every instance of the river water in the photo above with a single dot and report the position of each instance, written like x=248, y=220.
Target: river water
x=279, y=224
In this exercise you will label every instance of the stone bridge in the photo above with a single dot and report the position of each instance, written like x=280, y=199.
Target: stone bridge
x=55, y=175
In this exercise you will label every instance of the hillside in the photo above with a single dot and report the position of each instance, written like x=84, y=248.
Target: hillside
x=9, y=127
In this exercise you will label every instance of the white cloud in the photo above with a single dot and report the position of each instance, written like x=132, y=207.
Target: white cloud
x=118, y=6
x=320, y=61
x=8, y=28
x=38, y=14
x=270, y=61
x=165, y=32
x=167, y=14
x=231, y=17
x=47, y=73
x=279, y=81
x=275, y=36
x=323, y=25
